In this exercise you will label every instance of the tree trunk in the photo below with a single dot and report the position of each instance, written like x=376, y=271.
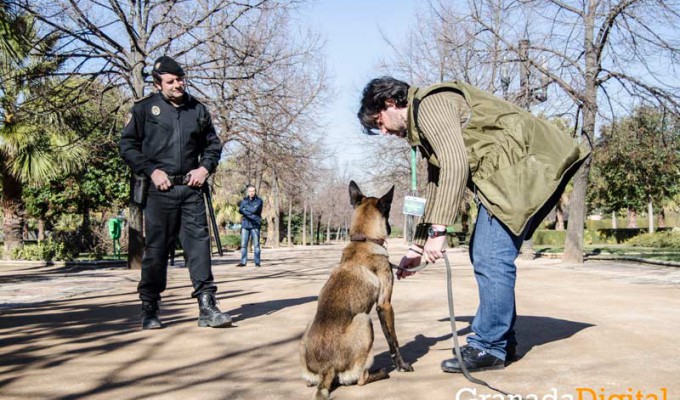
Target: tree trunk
x=328, y=229
x=13, y=215
x=271, y=230
x=290, y=217
x=87, y=237
x=573, y=246
x=311, y=224
x=337, y=234
x=650, y=207
x=410, y=229
x=318, y=229
x=632, y=218
x=661, y=218
x=41, y=229
x=304, y=224
x=559, y=216
x=614, y=224
x=136, y=214
x=273, y=226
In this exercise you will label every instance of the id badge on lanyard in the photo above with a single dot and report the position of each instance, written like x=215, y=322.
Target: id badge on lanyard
x=414, y=205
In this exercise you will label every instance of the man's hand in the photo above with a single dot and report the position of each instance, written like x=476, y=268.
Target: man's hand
x=434, y=249
x=410, y=260
x=198, y=176
x=160, y=180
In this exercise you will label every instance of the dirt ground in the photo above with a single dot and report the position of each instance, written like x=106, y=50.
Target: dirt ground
x=598, y=331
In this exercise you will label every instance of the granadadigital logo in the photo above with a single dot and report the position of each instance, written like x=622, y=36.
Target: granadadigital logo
x=580, y=393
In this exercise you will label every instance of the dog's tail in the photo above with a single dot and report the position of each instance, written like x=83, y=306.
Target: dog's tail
x=326, y=377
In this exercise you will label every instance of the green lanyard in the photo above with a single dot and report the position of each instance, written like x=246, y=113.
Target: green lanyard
x=414, y=182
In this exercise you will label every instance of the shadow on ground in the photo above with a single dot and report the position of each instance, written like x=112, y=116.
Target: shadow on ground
x=531, y=331
x=45, y=337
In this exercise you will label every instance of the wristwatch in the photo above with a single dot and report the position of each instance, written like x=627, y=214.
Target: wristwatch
x=433, y=233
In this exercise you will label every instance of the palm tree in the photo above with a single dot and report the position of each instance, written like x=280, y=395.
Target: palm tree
x=35, y=143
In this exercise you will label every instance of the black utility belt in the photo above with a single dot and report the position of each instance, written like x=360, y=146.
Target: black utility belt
x=178, y=180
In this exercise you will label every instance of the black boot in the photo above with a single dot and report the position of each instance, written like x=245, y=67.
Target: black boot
x=150, y=318
x=210, y=315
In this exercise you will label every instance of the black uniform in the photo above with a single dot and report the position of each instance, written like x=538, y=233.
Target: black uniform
x=176, y=140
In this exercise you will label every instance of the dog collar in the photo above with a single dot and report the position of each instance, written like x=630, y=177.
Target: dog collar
x=362, y=238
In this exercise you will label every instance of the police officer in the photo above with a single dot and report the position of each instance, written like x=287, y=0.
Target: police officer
x=169, y=138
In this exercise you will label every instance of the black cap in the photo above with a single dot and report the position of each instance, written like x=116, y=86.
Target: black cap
x=166, y=65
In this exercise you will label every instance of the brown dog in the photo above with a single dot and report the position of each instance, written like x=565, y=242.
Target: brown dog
x=339, y=341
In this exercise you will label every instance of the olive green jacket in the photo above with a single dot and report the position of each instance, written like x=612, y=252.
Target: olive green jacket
x=519, y=164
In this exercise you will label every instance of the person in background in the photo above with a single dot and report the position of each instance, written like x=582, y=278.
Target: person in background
x=251, y=209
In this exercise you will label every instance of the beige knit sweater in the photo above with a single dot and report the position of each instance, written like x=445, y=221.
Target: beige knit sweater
x=441, y=117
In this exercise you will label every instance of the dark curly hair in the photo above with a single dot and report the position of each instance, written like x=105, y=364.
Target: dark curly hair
x=374, y=96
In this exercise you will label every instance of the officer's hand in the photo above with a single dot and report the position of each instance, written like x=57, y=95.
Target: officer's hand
x=410, y=260
x=434, y=249
x=160, y=180
x=198, y=176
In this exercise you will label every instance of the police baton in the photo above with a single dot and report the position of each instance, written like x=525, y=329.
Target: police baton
x=211, y=215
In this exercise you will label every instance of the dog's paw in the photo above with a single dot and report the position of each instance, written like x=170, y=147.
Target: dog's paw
x=405, y=367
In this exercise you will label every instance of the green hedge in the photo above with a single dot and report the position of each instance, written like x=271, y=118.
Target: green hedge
x=590, y=236
x=665, y=239
x=231, y=241
x=548, y=237
x=44, y=251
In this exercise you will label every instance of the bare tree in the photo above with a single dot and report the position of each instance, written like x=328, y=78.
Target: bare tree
x=333, y=201
x=437, y=51
x=275, y=124
x=599, y=57
x=115, y=41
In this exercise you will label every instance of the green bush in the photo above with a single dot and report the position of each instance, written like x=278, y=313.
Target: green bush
x=548, y=237
x=666, y=239
x=231, y=241
x=590, y=236
x=43, y=251
x=397, y=232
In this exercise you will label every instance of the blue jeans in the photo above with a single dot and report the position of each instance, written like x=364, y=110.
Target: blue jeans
x=493, y=250
x=246, y=234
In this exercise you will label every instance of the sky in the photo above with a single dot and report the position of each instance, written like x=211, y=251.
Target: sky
x=354, y=48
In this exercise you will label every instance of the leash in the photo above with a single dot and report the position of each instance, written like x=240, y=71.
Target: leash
x=454, y=334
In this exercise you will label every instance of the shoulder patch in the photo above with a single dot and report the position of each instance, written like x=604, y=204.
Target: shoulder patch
x=144, y=98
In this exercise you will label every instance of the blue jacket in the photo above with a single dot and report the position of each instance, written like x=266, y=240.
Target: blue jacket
x=251, y=211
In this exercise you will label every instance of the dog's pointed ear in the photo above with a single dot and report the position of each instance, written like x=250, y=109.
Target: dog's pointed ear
x=385, y=202
x=355, y=195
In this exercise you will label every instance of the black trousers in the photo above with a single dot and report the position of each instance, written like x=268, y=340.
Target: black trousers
x=178, y=211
